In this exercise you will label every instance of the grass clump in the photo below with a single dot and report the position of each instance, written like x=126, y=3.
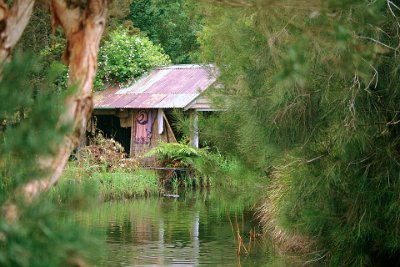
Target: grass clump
x=122, y=184
x=119, y=184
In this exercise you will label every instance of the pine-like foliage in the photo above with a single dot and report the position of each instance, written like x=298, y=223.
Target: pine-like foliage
x=312, y=98
x=41, y=234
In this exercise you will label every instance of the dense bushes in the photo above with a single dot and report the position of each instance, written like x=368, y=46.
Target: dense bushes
x=124, y=57
x=172, y=24
x=312, y=101
x=205, y=168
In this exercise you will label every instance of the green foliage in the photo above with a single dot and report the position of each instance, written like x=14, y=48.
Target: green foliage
x=172, y=153
x=22, y=110
x=206, y=168
x=117, y=12
x=311, y=96
x=30, y=115
x=50, y=60
x=124, y=57
x=181, y=158
x=37, y=33
x=42, y=237
x=172, y=24
x=38, y=39
x=117, y=185
x=123, y=185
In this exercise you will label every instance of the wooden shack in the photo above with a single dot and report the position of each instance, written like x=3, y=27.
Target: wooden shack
x=136, y=117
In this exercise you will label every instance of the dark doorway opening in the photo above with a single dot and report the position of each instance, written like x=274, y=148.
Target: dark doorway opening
x=111, y=127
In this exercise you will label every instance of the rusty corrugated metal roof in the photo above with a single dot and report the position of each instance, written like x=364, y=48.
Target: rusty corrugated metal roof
x=167, y=87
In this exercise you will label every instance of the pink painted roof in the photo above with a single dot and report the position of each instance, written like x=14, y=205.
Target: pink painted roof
x=167, y=87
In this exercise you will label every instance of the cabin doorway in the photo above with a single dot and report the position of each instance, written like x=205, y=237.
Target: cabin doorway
x=111, y=127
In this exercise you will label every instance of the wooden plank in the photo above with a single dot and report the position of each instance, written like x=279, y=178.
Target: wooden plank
x=133, y=131
x=169, y=130
x=104, y=112
x=194, y=131
x=160, y=121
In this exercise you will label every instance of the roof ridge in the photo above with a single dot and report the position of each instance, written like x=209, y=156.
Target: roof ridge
x=186, y=66
x=175, y=86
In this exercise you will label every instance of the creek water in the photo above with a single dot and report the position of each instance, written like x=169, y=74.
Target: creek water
x=196, y=229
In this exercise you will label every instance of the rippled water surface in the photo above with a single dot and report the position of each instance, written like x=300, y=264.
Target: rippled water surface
x=199, y=229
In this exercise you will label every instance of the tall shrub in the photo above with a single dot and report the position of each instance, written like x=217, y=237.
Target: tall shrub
x=172, y=24
x=125, y=56
x=311, y=90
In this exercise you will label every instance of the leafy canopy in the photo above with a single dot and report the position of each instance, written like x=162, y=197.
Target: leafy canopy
x=125, y=56
x=173, y=24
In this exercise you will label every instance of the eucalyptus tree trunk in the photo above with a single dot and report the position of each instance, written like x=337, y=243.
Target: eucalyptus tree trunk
x=13, y=21
x=83, y=23
x=83, y=27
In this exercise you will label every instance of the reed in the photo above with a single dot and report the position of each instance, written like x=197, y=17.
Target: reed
x=241, y=247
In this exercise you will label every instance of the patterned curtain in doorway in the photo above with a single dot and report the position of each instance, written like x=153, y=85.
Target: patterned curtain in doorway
x=144, y=122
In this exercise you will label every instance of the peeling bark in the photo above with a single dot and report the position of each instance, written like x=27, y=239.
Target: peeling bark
x=83, y=24
x=83, y=27
x=12, y=24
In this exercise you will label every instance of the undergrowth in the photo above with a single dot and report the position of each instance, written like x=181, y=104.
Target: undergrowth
x=205, y=168
x=119, y=184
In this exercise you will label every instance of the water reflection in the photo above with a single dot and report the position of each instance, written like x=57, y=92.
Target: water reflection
x=190, y=231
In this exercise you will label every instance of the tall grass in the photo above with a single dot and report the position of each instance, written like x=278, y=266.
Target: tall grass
x=122, y=184
x=119, y=184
